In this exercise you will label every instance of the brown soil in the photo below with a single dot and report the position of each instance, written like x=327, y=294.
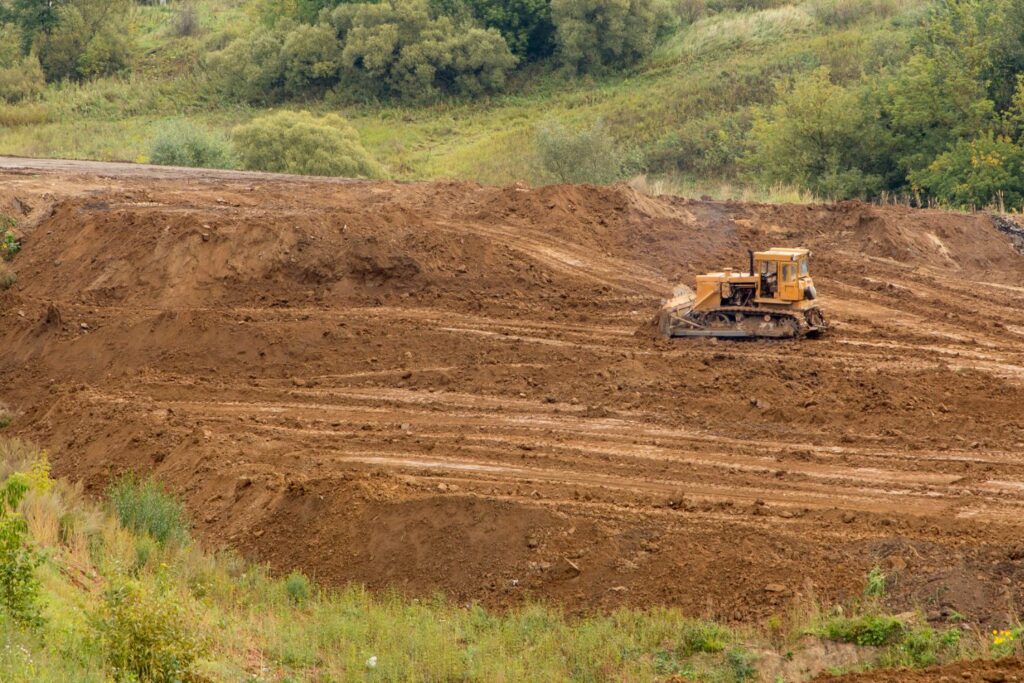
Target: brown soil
x=1004, y=671
x=451, y=387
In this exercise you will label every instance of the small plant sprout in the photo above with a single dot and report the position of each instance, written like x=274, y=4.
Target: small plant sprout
x=875, y=586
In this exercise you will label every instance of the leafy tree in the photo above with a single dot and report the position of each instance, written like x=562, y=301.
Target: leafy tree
x=89, y=39
x=34, y=17
x=816, y=136
x=597, y=34
x=526, y=25
x=976, y=173
x=250, y=68
x=21, y=77
x=310, y=59
x=395, y=48
x=298, y=142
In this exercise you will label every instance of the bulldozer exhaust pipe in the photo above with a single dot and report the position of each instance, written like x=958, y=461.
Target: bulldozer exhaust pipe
x=750, y=253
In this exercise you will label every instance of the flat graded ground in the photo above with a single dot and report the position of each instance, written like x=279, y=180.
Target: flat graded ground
x=449, y=387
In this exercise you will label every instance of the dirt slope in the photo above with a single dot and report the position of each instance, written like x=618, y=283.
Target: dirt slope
x=446, y=386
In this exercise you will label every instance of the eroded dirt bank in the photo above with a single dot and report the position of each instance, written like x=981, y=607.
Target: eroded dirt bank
x=450, y=387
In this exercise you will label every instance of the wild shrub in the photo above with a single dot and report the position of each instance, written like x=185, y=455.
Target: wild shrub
x=145, y=507
x=525, y=25
x=976, y=173
x=923, y=646
x=396, y=48
x=90, y=38
x=186, y=21
x=874, y=630
x=298, y=142
x=9, y=243
x=21, y=80
x=146, y=633
x=874, y=587
x=598, y=34
x=180, y=143
x=298, y=588
x=817, y=135
x=584, y=155
x=19, y=586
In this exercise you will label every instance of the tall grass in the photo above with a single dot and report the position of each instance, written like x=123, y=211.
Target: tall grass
x=145, y=507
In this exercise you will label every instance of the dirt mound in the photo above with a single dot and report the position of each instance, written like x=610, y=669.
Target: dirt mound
x=443, y=387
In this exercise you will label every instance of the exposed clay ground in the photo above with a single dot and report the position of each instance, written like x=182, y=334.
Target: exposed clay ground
x=450, y=387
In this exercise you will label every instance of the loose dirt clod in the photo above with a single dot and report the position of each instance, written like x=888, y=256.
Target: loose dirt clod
x=414, y=387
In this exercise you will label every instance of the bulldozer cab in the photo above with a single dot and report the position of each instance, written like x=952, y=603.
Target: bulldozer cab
x=781, y=274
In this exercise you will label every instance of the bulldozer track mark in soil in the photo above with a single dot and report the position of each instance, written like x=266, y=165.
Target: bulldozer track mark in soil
x=447, y=386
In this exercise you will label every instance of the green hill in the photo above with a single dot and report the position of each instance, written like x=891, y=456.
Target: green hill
x=728, y=98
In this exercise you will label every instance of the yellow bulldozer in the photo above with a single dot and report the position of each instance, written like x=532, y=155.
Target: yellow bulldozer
x=775, y=299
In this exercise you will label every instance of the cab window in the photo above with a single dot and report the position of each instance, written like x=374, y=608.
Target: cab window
x=804, y=272
x=789, y=272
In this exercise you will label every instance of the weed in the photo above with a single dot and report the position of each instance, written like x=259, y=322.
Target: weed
x=180, y=143
x=19, y=586
x=875, y=585
x=7, y=280
x=740, y=662
x=297, y=586
x=864, y=630
x=146, y=508
x=9, y=243
x=146, y=633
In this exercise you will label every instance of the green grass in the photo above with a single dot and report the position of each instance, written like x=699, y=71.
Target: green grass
x=112, y=596
x=144, y=507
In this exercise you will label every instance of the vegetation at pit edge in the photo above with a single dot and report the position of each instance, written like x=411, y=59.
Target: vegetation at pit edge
x=915, y=100
x=118, y=590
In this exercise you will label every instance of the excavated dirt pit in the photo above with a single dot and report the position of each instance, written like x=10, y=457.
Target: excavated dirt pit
x=452, y=387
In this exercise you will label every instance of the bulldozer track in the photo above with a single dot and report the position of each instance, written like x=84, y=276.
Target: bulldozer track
x=451, y=387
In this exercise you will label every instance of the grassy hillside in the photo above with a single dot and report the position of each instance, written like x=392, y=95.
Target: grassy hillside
x=117, y=590
x=683, y=111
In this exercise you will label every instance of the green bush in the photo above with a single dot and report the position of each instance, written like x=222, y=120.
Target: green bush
x=249, y=69
x=298, y=588
x=21, y=80
x=598, y=34
x=525, y=25
x=865, y=630
x=91, y=38
x=874, y=587
x=298, y=142
x=10, y=245
x=19, y=586
x=146, y=633
x=181, y=143
x=395, y=48
x=146, y=508
x=818, y=135
x=584, y=155
x=976, y=173
x=711, y=147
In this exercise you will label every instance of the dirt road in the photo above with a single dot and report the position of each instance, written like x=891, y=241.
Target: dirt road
x=452, y=387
